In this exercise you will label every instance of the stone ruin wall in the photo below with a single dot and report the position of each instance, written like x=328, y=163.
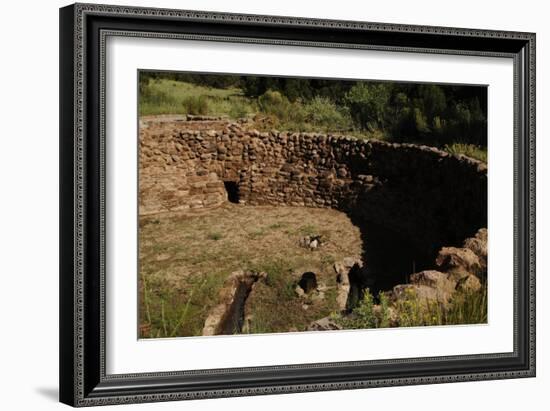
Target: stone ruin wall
x=422, y=192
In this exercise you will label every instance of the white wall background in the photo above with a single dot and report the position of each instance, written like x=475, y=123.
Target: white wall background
x=29, y=204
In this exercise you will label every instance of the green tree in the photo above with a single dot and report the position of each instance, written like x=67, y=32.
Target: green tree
x=367, y=103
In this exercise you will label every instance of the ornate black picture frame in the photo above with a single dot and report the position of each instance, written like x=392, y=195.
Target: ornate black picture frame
x=83, y=30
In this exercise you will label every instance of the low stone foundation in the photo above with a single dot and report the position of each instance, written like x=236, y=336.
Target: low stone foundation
x=228, y=316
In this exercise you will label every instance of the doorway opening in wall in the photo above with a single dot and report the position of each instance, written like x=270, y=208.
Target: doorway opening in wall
x=232, y=190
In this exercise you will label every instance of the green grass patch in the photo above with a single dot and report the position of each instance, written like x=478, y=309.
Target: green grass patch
x=465, y=307
x=275, y=306
x=168, y=312
x=163, y=96
x=470, y=150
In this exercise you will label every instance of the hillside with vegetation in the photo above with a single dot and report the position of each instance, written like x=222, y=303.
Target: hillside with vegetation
x=453, y=118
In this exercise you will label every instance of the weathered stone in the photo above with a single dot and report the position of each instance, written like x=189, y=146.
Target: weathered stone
x=324, y=324
x=225, y=317
x=459, y=262
x=478, y=245
x=434, y=279
x=343, y=285
x=342, y=172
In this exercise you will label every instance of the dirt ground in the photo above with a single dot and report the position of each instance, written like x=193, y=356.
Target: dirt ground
x=185, y=257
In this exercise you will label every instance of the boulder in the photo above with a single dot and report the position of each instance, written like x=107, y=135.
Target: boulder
x=458, y=262
x=343, y=285
x=324, y=324
x=478, y=244
x=434, y=279
x=345, y=265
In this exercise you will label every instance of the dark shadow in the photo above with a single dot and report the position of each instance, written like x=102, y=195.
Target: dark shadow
x=405, y=222
x=232, y=189
x=389, y=258
x=233, y=320
x=50, y=393
x=308, y=282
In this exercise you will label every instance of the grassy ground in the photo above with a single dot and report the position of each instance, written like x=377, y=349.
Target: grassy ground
x=164, y=96
x=185, y=258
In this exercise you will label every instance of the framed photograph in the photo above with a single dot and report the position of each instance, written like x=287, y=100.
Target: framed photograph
x=261, y=204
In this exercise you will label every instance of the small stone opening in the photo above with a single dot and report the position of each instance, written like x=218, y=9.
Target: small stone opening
x=232, y=189
x=308, y=282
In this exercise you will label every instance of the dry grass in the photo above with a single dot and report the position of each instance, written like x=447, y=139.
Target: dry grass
x=185, y=257
x=470, y=150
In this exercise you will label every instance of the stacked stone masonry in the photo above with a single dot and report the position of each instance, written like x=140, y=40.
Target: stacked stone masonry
x=424, y=193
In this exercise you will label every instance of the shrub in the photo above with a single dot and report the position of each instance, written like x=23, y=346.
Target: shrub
x=239, y=109
x=363, y=315
x=322, y=112
x=367, y=103
x=274, y=103
x=195, y=105
x=155, y=96
x=368, y=315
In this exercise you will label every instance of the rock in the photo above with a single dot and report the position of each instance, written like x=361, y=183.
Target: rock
x=434, y=279
x=342, y=172
x=458, y=262
x=311, y=242
x=318, y=296
x=224, y=317
x=346, y=264
x=469, y=284
x=299, y=291
x=342, y=283
x=162, y=257
x=247, y=323
x=324, y=324
x=351, y=261
x=478, y=244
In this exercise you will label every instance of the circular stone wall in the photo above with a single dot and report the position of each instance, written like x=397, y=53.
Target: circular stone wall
x=419, y=193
